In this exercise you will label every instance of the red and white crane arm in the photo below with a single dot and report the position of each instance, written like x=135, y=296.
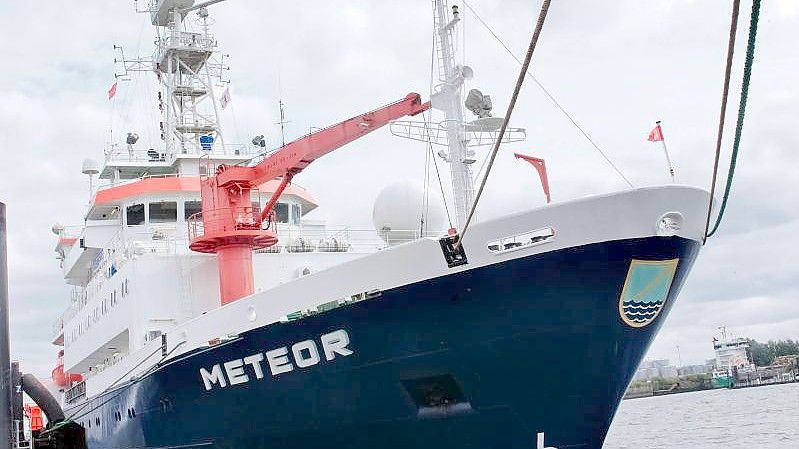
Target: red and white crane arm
x=295, y=156
x=230, y=226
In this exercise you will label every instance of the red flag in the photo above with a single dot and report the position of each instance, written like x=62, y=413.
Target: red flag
x=656, y=135
x=112, y=91
x=541, y=168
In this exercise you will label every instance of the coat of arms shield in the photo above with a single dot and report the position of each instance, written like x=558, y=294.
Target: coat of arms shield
x=645, y=290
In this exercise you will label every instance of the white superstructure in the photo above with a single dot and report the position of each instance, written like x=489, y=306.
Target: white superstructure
x=731, y=352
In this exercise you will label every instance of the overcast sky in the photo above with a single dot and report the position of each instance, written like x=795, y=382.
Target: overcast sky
x=616, y=67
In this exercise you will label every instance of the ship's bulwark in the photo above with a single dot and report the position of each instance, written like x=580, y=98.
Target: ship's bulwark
x=530, y=345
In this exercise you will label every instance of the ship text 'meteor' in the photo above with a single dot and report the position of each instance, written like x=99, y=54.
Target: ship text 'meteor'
x=280, y=360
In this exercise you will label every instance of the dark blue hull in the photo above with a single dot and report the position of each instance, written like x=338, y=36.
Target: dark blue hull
x=485, y=358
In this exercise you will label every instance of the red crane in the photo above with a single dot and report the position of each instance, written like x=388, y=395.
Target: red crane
x=232, y=228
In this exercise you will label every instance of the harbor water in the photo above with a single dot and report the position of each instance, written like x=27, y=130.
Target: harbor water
x=764, y=418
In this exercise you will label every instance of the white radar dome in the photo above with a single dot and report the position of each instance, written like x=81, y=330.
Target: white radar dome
x=90, y=167
x=399, y=209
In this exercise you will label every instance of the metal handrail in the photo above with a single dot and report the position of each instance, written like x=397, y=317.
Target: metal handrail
x=189, y=40
x=75, y=393
x=226, y=219
x=118, y=154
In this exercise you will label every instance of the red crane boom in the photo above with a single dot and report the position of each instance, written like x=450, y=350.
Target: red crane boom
x=231, y=227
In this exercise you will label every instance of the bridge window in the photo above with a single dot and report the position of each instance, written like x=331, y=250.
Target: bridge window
x=282, y=212
x=296, y=213
x=164, y=212
x=135, y=214
x=190, y=208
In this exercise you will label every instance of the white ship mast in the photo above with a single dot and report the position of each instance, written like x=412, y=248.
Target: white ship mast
x=448, y=99
x=458, y=136
x=182, y=62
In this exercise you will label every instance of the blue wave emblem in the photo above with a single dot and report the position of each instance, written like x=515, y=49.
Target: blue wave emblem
x=645, y=290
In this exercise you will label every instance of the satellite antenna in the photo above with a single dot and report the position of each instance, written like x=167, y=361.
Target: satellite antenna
x=90, y=168
x=259, y=141
x=479, y=104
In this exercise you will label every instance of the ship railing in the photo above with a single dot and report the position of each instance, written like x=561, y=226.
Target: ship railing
x=71, y=231
x=188, y=40
x=155, y=242
x=58, y=327
x=298, y=239
x=117, y=153
x=75, y=393
x=473, y=134
x=77, y=298
x=234, y=149
x=223, y=219
x=118, y=183
x=331, y=239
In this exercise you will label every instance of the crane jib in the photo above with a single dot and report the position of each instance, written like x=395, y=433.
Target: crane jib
x=231, y=228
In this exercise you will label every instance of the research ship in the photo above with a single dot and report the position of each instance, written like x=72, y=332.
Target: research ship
x=207, y=311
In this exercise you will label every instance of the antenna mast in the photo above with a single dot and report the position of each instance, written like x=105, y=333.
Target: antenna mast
x=448, y=98
x=458, y=136
x=282, y=122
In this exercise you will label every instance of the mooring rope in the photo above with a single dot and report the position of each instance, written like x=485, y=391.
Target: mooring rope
x=727, y=70
x=533, y=41
x=750, y=57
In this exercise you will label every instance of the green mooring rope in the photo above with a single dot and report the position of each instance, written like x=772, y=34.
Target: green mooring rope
x=750, y=56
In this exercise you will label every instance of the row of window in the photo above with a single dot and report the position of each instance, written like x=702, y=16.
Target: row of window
x=117, y=417
x=160, y=212
x=100, y=310
x=167, y=212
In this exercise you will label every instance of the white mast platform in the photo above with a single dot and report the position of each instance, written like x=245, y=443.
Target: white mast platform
x=185, y=63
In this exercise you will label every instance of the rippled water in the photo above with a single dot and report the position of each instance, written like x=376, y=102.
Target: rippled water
x=750, y=418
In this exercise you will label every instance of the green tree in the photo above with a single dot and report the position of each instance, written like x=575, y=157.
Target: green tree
x=760, y=353
x=763, y=354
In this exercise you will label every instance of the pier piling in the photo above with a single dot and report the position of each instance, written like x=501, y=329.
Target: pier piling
x=5, y=356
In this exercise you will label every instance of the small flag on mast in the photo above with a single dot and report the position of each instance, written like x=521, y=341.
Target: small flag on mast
x=656, y=135
x=112, y=91
x=541, y=168
x=224, y=100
